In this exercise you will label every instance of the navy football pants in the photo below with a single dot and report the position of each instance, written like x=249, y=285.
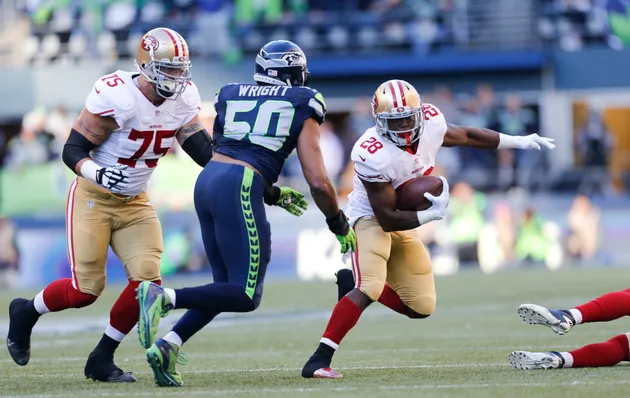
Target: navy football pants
x=237, y=239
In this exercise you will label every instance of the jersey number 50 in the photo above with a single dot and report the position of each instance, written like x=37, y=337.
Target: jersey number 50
x=256, y=125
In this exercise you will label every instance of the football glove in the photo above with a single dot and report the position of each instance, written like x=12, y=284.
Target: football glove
x=339, y=226
x=292, y=201
x=438, y=210
x=116, y=178
x=532, y=141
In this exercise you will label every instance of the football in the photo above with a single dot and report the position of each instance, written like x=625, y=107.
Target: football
x=411, y=195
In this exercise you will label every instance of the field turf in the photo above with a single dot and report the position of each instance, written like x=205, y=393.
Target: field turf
x=460, y=351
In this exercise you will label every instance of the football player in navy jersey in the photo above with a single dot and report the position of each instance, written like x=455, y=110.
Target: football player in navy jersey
x=257, y=127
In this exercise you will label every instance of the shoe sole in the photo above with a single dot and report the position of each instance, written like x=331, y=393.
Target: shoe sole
x=144, y=330
x=161, y=379
x=521, y=360
x=538, y=315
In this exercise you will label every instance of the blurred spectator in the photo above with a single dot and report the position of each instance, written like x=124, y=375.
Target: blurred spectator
x=31, y=145
x=594, y=144
x=531, y=244
x=585, y=229
x=497, y=240
x=514, y=120
x=466, y=212
x=212, y=21
x=332, y=151
x=361, y=117
x=59, y=123
x=9, y=254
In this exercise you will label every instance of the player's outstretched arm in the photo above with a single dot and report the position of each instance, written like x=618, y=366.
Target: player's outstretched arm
x=322, y=189
x=490, y=139
x=310, y=156
x=195, y=141
x=88, y=132
x=382, y=197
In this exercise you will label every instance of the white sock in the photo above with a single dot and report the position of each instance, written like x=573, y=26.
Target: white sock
x=329, y=343
x=114, y=333
x=40, y=306
x=173, y=338
x=568, y=359
x=577, y=315
x=171, y=295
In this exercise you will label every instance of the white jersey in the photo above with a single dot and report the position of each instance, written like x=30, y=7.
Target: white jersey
x=378, y=160
x=146, y=131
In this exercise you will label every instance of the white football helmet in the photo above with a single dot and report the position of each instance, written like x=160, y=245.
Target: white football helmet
x=162, y=59
x=397, y=108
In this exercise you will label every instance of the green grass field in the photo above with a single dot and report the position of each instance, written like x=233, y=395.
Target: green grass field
x=460, y=351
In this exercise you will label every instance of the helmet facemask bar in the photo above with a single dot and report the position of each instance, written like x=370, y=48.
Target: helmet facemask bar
x=401, y=128
x=170, y=77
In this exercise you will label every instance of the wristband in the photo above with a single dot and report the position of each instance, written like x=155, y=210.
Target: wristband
x=338, y=224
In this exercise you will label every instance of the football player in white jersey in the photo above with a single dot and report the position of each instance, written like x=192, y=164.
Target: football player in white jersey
x=391, y=265
x=130, y=120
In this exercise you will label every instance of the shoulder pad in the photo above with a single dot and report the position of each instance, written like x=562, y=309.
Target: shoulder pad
x=373, y=151
x=434, y=120
x=112, y=92
x=190, y=96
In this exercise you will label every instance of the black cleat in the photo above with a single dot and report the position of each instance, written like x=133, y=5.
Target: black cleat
x=345, y=282
x=21, y=322
x=101, y=367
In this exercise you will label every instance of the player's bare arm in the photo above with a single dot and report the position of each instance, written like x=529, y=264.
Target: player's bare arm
x=94, y=129
x=195, y=141
x=88, y=132
x=470, y=136
x=310, y=156
x=382, y=198
x=490, y=139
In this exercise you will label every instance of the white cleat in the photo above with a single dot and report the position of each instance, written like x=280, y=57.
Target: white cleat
x=559, y=321
x=526, y=360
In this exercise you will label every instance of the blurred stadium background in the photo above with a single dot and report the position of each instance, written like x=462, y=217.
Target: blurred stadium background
x=556, y=67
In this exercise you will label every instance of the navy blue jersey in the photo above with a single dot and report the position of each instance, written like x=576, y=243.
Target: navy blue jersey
x=260, y=125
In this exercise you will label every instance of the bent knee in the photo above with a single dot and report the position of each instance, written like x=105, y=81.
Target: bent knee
x=372, y=290
x=80, y=299
x=421, y=307
x=147, y=270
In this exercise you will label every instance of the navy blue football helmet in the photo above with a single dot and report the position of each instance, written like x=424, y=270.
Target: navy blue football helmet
x=281, y=63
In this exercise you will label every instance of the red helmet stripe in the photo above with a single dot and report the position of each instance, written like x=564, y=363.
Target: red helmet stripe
x=402, y=93
x=182, y=43
x=168, y=32
x=395, y=97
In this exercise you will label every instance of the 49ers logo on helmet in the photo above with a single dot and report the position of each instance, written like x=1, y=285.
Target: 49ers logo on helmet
x=400, y=109
x=375, y=102
x=150, y=43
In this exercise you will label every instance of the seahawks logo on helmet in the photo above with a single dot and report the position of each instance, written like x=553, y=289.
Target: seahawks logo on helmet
x=281, y=62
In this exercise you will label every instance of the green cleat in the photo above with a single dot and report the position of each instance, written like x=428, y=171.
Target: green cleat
x=154, y=304
x=162, y=357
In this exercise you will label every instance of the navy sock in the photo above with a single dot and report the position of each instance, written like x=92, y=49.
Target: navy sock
x=192, y=322
x=214, y=298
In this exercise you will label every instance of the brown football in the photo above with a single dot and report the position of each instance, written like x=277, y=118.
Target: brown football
x=410, y=196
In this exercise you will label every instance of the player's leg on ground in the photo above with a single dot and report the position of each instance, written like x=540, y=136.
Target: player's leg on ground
x=164, y=353
x=608, y=353
x=410, y=288
x=87, y=236
x=369, y=265
x=137, y=241
x=606, y=308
